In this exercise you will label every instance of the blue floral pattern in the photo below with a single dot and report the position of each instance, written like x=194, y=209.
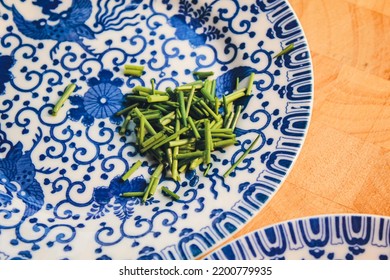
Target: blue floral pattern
x=60, y=176
x=103, y=99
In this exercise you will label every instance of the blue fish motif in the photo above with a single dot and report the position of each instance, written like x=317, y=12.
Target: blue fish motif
x=6, y=63
x=71, y=25
x=17, y=177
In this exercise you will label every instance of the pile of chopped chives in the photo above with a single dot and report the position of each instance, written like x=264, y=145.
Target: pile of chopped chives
x=181, y=127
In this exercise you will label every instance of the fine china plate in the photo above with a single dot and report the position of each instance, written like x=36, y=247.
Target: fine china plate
x=60, y=176
x=333, y=237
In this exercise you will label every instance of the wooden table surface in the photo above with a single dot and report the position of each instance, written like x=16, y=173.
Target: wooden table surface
x=344, y=164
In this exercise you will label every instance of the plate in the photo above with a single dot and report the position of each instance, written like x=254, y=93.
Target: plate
x=60, y=176
x=327, y=237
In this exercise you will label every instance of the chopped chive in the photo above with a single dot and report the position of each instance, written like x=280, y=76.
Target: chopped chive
x=213, y=88
x=235, y=95
x=148, y=90
x=288, y=49
x=208, y=142
x=206, y=94
x=148, y=126
x=208, y=109
x=133, y=72
x=170, y=193
x=136, y=97
x=241, y=158
x=189, y=101
x=127, y=109
x=131, y=194
x=125, y=124
x=193, y=127
x=236, y=116
x=192, y=155
x=130, y=172
x=203, y=74
x=206, y=172
x=182, y=108
x=152, y=82
x=68, y=91
x=157, y=98
x=250, y=84
x=224, y=143
x=135, y=67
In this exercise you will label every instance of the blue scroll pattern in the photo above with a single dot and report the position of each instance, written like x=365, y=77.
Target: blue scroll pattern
x=60, y=176
x=336, y=237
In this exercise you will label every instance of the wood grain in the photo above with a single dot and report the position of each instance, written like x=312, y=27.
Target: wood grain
x=344, y=164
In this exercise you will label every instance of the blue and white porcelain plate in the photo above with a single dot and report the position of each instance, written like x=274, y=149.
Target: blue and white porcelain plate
x=60, y=176
x=326, y=237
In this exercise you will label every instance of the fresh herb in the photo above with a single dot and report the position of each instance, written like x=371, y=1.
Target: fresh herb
x=181, y=127
x=288, y=49
x=68, y=91
x=170, y=193
x=131, y=170
x=241, y=158
x=133, y=70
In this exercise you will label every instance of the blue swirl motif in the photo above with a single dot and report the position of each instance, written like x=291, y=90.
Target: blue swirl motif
x=83, y=140
x=335, y=237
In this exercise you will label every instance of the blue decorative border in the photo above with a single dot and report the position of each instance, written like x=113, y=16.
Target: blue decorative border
x=345, y=237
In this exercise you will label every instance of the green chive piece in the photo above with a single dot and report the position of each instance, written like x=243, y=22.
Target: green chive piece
x=68, y=91
x=250, y=84
x=203, y=74
x=208, y=109
x=132, y=194
x=152, y=82
x=237, y=83
x=207, y=95
x=137, y=89
x=125, y=124
x=189, y=101
x=130, y=172
x=182, y=108
x=224, y=143
x=153, y=139
x=172, y=137
x=127, y=109
x=208, y=142
x=206, y=172
x=133, y=72
x=148, y=126
x=242, y=157
x=155, y=177
x=136, y=97
x=236, y=116
x=288, y=49
x=235, y=95
x=193, y=127
x=213, y=89
x=135, y=67
x=170, y=193
x=192, y=155
x=157, y=98
x=141, y=131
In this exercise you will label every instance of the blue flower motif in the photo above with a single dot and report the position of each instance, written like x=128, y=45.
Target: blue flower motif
x=192, y=25
x=102, y=100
